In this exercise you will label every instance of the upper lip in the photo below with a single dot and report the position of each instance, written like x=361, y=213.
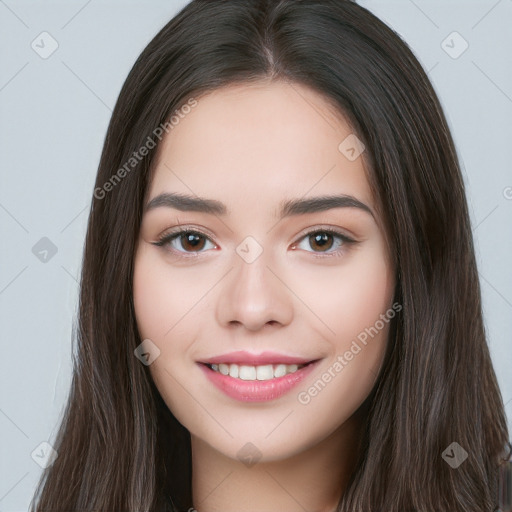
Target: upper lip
x=247, y=358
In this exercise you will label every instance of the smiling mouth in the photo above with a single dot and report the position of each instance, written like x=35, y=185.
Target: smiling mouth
x=256, y=372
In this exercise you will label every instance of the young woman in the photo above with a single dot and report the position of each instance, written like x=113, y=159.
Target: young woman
x=280, y=307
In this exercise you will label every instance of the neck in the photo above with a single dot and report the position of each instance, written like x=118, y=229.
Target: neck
x=314, y=479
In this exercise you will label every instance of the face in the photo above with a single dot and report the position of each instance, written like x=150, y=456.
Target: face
x=289, y=295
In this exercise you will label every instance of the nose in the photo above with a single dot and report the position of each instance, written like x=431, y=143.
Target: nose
x=253, y=297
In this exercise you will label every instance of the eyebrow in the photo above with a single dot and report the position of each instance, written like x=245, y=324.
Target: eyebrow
x=290, y=207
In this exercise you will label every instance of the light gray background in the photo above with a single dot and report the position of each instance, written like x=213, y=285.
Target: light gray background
x=53, y=117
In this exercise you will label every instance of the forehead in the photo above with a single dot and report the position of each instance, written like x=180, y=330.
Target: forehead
x=259, y=143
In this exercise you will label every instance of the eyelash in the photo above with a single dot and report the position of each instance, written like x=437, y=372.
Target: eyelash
x=169, y=236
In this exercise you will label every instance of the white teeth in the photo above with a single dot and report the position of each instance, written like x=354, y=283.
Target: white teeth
x=233, y=370
x=247, y=373
x=280, y=370
x=263, y=372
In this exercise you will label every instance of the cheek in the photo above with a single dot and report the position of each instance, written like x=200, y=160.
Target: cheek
x=170, y=310
x=365, y=324
x=160, y=313
x=367, y=293
x=162, y=298
x=149, y=297
x=350, y=297
x=354, y=308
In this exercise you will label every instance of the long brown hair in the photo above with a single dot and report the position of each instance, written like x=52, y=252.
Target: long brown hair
x=119, y=447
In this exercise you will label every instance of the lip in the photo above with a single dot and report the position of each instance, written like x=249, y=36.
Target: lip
x=257, y=390
x=249, y=359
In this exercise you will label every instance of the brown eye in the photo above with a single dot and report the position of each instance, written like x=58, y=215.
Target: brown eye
x=192, y=241
x=321, y=240
x=185, y=241
x=324, y=241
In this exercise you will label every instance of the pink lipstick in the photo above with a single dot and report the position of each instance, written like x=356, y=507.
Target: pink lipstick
x=256, y=377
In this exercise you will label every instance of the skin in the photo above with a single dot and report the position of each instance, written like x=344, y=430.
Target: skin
x=250, y=147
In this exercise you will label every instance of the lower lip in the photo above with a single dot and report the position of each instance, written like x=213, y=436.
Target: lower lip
x=257, y=390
